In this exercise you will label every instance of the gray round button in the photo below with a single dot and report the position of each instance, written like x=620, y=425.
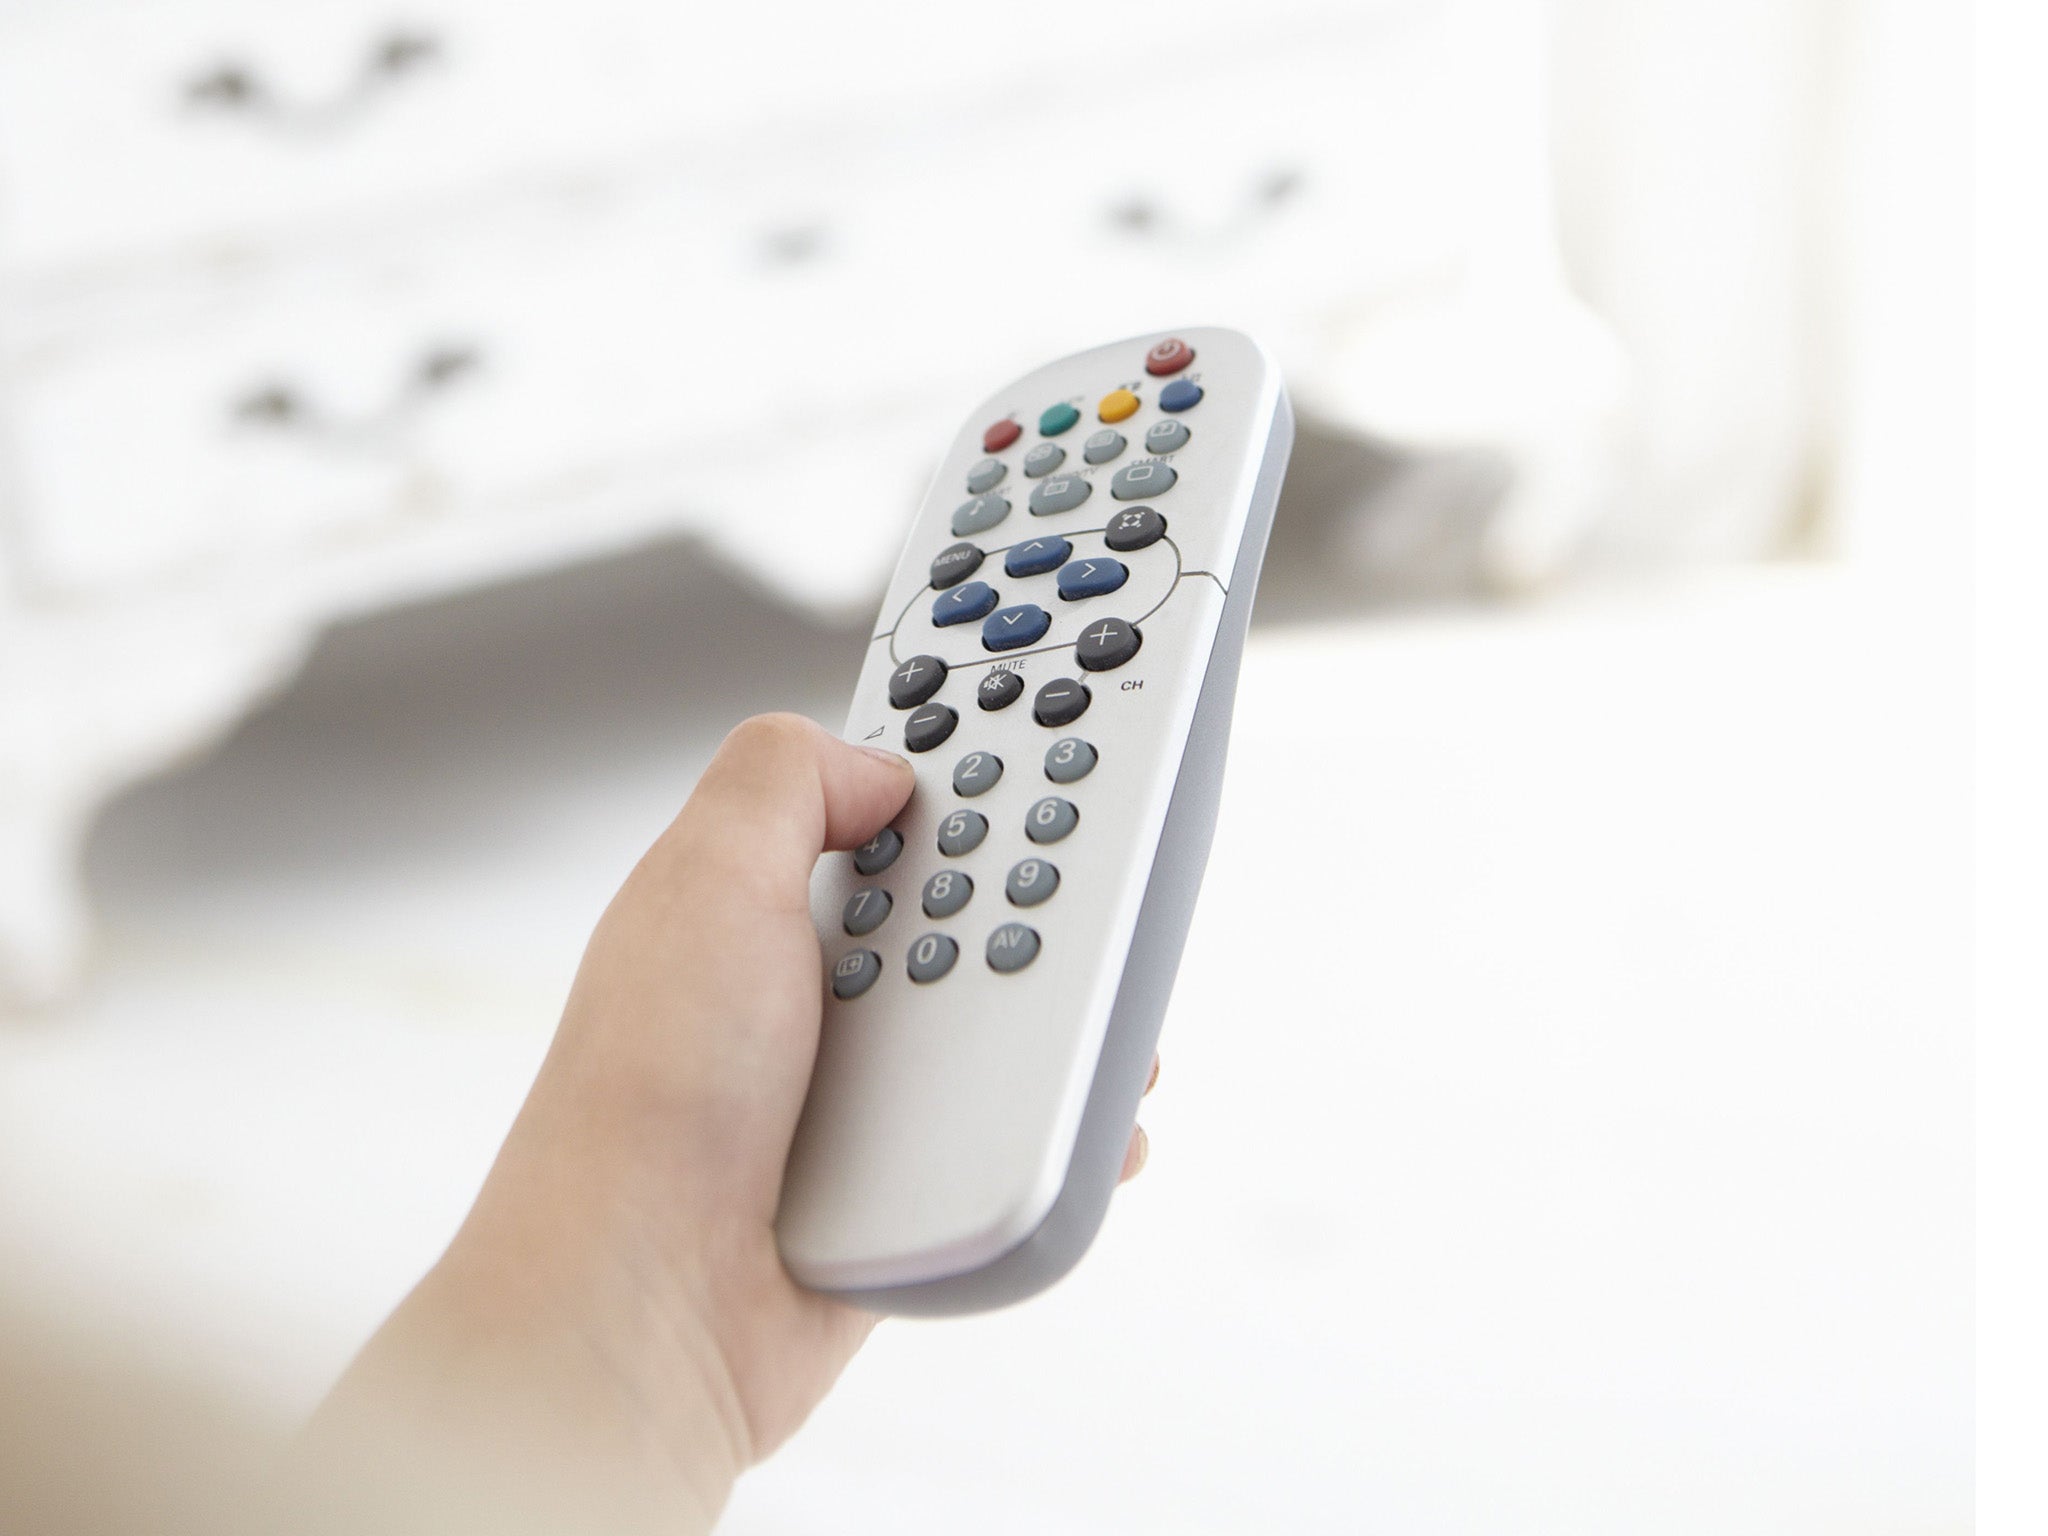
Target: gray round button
x=1130, y=483
x=1058, y=495
x=976, y=773
x=865, y=910
x=1068, y=759
x=1044, y=459
x=946, y=893
x=1160, y=437
x=1103, y=446
x=1030, y=882
x=1012, y=947
x=878, y=852
x=855, y=973
x=988, y=474
x=1050, y=820
x=931, y=957
x=962, y=832
x=980, y=513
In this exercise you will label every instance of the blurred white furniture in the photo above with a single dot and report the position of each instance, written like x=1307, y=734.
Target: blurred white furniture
x=305, y=313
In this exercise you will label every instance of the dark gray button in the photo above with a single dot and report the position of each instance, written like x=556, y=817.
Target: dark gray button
x=1012, y=947
x=1060, y=702
x=947, y=892
x=1030, y=882
x=878, y=852
x=1130, y=483
x=915, y=681
x=928, y=725
x=955, y=563
x=962, y=832
x=1160, y=437
x=855, y=973
x=931, y=957
x=1068, y=759
x=1062, y=494
x=866, y=910
x=1103, y=446
x=980, y=513
x=1134, y=529
x=1107, y=643
x=1044, y=459
x=976, y=773
x=1050, y=819
x=988, y=474
x=1034, y=557
x=998, y=690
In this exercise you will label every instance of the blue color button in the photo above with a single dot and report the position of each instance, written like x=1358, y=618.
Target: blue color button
x=1008, y=628
x=963, y=604
x=1037, y=557
x=1091, y=578
x=1179, y=395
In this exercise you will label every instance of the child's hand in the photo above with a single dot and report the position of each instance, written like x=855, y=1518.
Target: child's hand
x=615, y=1303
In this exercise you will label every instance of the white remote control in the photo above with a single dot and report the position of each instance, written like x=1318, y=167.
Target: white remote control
x=1057, y=656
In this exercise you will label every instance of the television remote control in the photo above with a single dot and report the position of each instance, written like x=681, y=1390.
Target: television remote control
x=1057, y=657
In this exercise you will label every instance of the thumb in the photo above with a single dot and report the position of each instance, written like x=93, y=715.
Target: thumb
x=780, y=791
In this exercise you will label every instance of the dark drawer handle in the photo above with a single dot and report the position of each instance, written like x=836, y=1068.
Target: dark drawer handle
x=238, y=88
x=280, y=405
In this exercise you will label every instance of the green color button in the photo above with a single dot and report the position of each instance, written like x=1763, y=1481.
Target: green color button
x=1055, y=419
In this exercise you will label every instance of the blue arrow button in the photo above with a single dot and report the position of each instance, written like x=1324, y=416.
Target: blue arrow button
x=1091, y=578
x=1020, y=624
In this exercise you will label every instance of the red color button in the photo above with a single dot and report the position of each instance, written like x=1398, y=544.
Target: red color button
x=1003, y=433
x=1168, y=356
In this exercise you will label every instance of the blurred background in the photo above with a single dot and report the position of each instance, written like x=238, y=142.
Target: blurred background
x=426, y=429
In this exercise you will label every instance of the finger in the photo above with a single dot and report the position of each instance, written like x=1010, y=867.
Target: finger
x=780, y=791
x=1135, y=1153
x=1153, y=1081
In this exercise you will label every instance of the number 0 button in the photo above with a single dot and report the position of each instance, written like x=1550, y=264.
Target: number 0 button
x=931, y=957
x=1068, y=759
x=1030, y=882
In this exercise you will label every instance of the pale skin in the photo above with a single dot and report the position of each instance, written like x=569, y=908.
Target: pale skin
x=613, y=1318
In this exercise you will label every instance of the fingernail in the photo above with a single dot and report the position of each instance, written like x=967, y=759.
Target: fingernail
x=1141, y=1148
x=887, y=756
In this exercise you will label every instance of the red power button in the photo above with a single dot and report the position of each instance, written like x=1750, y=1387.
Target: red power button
x=999, y=436
x=1168, y=356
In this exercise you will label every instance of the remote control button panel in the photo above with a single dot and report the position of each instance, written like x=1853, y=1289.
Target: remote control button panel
x=1041, y=673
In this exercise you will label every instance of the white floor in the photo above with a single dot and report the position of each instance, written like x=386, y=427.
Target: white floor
x=1564, y=1120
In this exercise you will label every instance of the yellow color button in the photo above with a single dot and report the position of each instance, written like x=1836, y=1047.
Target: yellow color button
x=1116, y=405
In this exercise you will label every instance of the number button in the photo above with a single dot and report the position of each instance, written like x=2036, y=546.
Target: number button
x=946, y=893
x=1068, y=759
x=1030, y=882
x=855, y=973
x=976, y=773
x=866, y=910
x=1012, y=947
x=1051, y=819
x=1134, y=529
x=878, y=852
x=915, y=681
x=931, y=957
x=961, y=833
